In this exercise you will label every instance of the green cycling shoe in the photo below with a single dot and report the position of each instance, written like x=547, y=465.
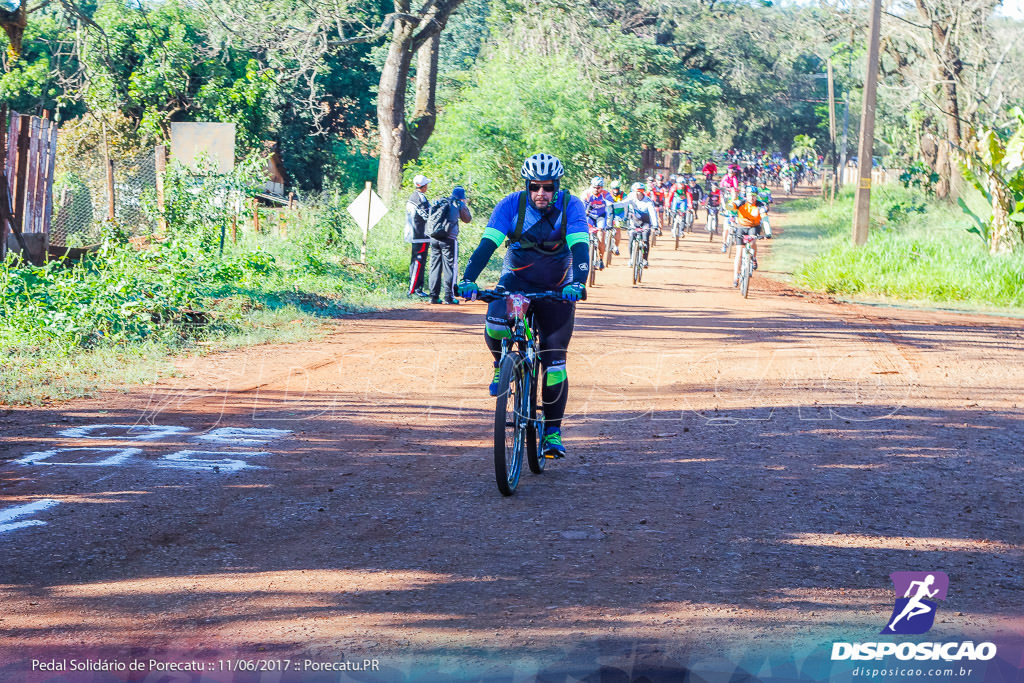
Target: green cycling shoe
x=551, y=445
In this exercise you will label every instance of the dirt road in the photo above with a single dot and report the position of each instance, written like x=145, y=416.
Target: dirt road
x=743, y=476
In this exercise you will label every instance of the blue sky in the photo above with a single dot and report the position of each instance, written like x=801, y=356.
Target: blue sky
x=1013, y=8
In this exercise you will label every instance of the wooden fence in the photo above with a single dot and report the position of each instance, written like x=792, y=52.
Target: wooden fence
x=30, y=152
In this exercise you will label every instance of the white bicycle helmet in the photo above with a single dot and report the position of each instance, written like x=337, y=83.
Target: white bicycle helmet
x=542, y=167
x=598, y=181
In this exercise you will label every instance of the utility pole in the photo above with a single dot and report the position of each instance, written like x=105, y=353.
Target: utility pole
x=832, y=129
x=865, y=156
x=846, y=106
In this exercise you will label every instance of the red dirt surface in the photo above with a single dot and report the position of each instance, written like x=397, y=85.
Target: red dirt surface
x=742, y=478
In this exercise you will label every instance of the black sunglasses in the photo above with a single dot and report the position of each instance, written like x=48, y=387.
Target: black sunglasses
x=537, y=187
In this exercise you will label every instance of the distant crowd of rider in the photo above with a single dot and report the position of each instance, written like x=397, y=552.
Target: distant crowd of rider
x=742, y=194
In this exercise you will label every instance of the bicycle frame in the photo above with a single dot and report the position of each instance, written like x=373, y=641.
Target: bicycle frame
x=520, y=324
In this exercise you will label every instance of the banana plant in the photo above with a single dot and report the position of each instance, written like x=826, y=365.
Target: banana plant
x=803, y=145
x=995, y=166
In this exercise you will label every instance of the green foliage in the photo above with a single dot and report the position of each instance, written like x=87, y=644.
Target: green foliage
x=898, y=212
x=514, y=111
x=994, y=163
x=199, y=204
x=918, y=175
x=179, y=289
x=803, y=146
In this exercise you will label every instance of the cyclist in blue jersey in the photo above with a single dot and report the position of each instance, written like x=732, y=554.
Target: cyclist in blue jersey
x=545, y=230
x=596, y=200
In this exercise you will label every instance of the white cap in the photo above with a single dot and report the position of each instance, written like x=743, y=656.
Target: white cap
x=420, y=181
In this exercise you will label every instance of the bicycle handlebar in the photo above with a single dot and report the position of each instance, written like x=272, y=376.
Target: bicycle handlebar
x=497, y=294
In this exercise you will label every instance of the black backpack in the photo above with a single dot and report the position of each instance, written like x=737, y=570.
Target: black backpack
x=438, y=222
x=550, y=245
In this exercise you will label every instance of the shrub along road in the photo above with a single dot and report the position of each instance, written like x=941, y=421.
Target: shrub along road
x=743, y=476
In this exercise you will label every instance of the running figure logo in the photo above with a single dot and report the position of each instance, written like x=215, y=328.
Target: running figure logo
x=914, y=613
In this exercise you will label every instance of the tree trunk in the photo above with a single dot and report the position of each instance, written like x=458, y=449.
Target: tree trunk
x=14, y=27
x=402, y=141
x=424, y=116
x=948, y=68
x=391, y=108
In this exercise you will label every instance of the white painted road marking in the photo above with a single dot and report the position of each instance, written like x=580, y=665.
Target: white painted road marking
x=118, y=456
x=243, y=436
x=185, y=460
x=136, y=432
x=7, y=516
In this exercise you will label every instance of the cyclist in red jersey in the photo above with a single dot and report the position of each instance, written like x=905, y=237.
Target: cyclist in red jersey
x=656, y=192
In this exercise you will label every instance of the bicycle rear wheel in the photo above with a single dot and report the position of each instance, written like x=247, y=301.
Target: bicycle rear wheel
x=509, y=424
x=535, y=424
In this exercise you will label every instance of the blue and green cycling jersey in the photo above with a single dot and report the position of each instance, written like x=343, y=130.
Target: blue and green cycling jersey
x=539, y=258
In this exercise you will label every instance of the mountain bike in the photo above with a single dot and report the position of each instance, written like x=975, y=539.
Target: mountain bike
x=711, y=224
x=689, y=217
x=747, y=262
x=730, y=236
x=609, y=241
x=678, y=225
x=517, y=426
x=636, y=250
x=595, y=255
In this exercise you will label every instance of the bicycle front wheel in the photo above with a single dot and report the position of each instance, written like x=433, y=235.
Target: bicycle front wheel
x=745, y=273
x=637, y=263
x=510, y=422
x=595, y=255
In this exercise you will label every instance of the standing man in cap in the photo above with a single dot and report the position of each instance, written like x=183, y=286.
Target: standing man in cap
x=444, y=254
x=417, y=211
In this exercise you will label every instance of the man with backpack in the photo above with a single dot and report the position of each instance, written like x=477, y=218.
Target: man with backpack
x=417, y=211
x=443, y=230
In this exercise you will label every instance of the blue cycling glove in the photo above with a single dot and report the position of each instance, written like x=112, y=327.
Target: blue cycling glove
x=574, y=291
x=468, y=289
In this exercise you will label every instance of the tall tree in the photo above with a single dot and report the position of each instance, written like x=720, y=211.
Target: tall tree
x=944, y=49
x=14, y=19
x=402, y=139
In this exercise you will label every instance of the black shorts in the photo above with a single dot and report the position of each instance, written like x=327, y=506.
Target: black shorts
x=554, y=320
x=740, y=230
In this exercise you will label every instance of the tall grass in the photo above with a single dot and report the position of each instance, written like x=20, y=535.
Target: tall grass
x=918, y=250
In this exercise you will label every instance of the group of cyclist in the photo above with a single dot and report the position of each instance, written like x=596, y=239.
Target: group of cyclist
x=742, y=194
x=547, y=234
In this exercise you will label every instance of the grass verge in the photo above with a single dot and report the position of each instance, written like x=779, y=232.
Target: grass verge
x=918, y=253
